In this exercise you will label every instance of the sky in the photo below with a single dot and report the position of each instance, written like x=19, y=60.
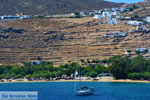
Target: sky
x=125, y=1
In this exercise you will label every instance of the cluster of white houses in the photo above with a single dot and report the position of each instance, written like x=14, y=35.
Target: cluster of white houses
x=112, y=15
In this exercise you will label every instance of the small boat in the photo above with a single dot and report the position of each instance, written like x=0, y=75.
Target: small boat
x=84, y=90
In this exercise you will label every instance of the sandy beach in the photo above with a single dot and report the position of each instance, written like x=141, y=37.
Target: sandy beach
x=101, y=80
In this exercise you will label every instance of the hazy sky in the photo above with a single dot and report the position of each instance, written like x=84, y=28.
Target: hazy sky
x=126, y=1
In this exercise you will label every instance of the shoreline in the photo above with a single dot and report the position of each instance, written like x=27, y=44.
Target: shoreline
x=101, y=80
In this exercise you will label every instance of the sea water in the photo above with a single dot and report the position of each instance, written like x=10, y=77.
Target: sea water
x=65, y=90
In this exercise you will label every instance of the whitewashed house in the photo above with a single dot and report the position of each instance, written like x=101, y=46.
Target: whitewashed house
x=140, y=28
x=122, y=9
x=98, y=17
x=26, y=16
x=107, y=9
x=114, y=9
x=135, y=23
x=107, y=13
x=115, y=13
x=91, y=13
x=111, y=20
x=120, y=17
x=114, y=21
x=99, y=11
x=148, y=19
x=82, y=14
x=127, y=18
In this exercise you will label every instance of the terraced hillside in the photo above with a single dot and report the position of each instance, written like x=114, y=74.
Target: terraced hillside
x=59, y=40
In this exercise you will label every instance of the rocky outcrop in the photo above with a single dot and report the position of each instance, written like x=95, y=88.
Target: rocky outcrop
x=12, y=30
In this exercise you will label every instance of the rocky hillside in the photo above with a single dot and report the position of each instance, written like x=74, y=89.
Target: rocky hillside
x=45, y=7
x=60, y=39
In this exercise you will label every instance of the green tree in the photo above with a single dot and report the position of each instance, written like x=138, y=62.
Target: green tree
x=39, y=58
x=28, y=77
x=2, y=76
x=134, y=76
x=82, y=60
x=120, y=66
x=93, y=74
x=48, y=75
x=2, y=68
x=139, y=64
x=135, y=7
x=53, y=75
x=18, y=76
x=77, y=15
x=58, y=73
x=100, y=69
x=129, y=51
x=16, y=70
x=137, y=52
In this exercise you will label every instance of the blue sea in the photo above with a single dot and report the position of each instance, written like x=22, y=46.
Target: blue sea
x=125, y=1
x=65, y=90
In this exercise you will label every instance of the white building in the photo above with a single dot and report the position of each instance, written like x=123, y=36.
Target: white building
x=120, y=17
x=148, y=19
x=114, y=21
x=127, y=18
x=122, y=9
x=98, y=17
x=111, y=20
x=107, y=9
x=26, y=16
x=141, y=28
x=114, y=9
x=82, y=14
x=100, y=12
x=135, y=23
x=106, y=13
